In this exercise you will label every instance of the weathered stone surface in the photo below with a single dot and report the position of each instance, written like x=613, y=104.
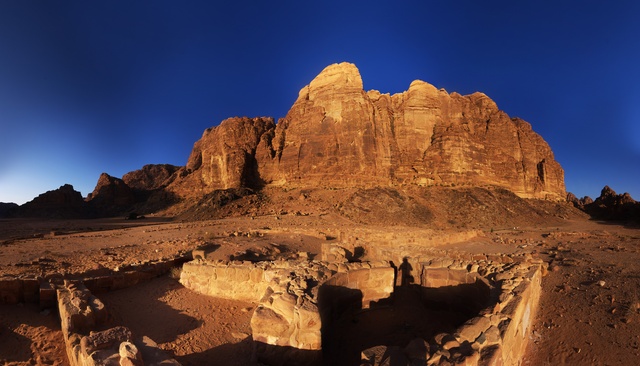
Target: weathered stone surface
x=79, y=310
x=225, y=157
x=287, y=317
x=129, y=355
x=110, y=338
x=151, y=177
x=422, y=136
x=247, y=283
x=81, y=315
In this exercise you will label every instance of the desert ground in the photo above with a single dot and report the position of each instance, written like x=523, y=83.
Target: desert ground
x=588, y=314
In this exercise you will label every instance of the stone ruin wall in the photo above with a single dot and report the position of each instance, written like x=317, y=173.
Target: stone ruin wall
x=36, y=289
x=289, y=314
x=287, y=293
x=85, y=322
x=500, y=333
x=91, y=341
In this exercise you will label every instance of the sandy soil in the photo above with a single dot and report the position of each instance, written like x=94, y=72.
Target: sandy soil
x=589, y=311
x=29, y=336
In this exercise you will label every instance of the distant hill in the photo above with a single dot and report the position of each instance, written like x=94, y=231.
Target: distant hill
x=609, y=206
x=6, y=208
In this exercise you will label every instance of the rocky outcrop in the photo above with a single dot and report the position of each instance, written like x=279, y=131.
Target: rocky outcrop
x=111, y=196
x=338, y=135
x=6, y=208
x=149, y=186
x=579, y=203
x=62, y=203
x=611, y=206
x=225, y=157
x=151, y=177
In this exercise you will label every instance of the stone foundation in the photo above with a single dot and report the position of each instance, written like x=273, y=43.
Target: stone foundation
x=14, y=290
x=297, y=299
x=498, y=336
x=287, y=322
x=84, y=320
x=91, y=342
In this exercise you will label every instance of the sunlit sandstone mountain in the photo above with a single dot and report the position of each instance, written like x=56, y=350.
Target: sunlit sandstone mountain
x=338, y=135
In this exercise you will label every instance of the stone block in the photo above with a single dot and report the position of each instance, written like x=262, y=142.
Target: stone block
x=459, y=277
x=31, y=290
x=129, y=355
x=256, y=275
x=241, y=274
x=358, y=276
x=473, y=328
x=11, y=291
x=47, y=295
x=491, y=356
x=436, y=277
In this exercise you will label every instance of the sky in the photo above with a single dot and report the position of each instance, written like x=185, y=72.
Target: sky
x=108, y=86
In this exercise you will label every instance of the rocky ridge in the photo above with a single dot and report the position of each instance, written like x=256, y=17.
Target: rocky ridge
x=64, y=202
x=338, y=135
x=609, y=206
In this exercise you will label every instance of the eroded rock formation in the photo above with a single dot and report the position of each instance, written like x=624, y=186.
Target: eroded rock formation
x=609, y=206
x=150, y=177
x=338, y=135
x=64, y=202
x=111, y=195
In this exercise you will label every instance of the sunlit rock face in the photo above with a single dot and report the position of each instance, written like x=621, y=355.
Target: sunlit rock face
x=225, y=157
x=150, y=177
x=338, y=135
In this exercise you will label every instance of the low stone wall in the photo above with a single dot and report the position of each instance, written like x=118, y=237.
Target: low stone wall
x=287, y=322
x=14, y=290
x=90, y=342
x=84, y=319
x=498, y=336
x=374, y=283
x=244, y=281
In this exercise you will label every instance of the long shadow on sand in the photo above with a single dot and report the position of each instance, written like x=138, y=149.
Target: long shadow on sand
x=28, y=335
x=142, y=310
x=230, y=354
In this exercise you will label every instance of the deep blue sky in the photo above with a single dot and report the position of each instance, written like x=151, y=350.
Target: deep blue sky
x=89, y=87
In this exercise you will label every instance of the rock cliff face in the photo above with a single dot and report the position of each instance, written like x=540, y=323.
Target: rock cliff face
x=338, y=135
x=150, y=177
x=226, y=157
x=111, y=196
